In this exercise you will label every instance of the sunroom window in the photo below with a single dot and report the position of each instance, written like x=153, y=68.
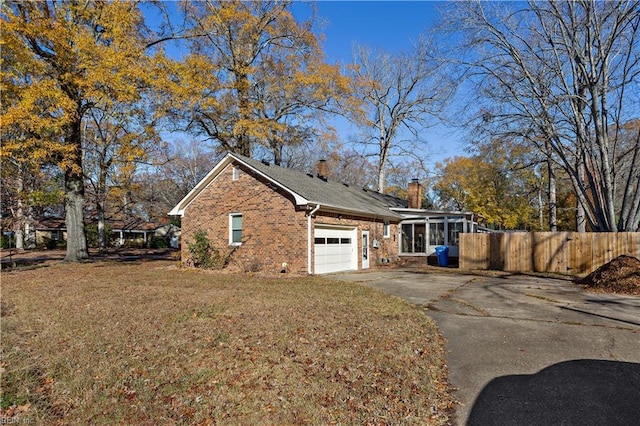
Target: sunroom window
x=436, y=234
x=413, y=238
x=454, y=231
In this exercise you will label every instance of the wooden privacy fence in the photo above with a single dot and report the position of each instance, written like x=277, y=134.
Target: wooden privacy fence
x=561, y=252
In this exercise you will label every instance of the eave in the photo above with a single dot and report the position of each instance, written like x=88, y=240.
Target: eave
x=179, y=209
x=341, y=210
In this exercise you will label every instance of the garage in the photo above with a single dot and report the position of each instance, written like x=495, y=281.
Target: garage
x=335, y=249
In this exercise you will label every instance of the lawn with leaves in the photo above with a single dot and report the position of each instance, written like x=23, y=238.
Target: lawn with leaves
x=149, y=343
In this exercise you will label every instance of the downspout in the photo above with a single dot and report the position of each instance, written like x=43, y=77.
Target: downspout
x=309, y=270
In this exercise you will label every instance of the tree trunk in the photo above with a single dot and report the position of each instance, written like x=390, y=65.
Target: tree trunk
x=553, y=203
x=243, y=87
x=276, y=148
x=19, y=226
x=100, y=204
x=102, y=240
x=19, y=235
x=581, y=216
x=631, y=209
x=540, y=209
x=74, y=201
x=383, y=142
x=381, y=178
x=581, y=219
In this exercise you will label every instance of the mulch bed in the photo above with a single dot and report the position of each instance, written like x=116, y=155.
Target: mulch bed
x=621, y=275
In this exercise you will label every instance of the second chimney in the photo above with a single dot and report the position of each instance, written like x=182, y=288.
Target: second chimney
x=322, y=169
x=414, y=194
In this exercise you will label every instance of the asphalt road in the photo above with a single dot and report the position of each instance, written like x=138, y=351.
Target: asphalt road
x=525, y=350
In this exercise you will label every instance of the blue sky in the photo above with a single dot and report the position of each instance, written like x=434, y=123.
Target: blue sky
x=386, y=25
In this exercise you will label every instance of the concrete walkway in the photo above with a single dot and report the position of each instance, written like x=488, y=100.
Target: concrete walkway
x=526, y=350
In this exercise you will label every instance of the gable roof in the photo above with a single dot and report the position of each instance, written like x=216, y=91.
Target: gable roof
x=131, y=224
x=51, y=224
x=306, y=190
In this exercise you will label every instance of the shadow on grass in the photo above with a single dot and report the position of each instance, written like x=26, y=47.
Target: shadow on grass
x=20, y=262
x=31, y=260
x=578, y=392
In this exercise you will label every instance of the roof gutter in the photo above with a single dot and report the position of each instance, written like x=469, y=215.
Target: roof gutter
x=391, y=215
x=311, y=213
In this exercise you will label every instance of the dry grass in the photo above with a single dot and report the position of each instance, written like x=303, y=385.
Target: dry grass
x=148, y=344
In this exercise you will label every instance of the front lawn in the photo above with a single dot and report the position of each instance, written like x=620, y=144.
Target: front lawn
x=149, y=343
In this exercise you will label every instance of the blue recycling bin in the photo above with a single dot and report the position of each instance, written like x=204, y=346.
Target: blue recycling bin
x=442, y=253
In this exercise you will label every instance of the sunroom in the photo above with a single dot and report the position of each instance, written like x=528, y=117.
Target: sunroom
x=421, y=234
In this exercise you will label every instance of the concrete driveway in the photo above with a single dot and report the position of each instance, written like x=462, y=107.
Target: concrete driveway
x=526, y=350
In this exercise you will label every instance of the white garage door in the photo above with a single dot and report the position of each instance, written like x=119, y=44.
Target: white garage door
x=335, y=250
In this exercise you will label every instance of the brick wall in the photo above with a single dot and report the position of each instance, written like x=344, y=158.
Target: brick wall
x=273, y=231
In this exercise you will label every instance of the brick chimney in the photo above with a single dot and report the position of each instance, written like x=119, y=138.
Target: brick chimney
x=322, y=169
x=414, y=194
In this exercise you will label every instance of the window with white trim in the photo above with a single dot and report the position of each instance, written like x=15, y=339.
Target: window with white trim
x=454, y=229
x=235, y=228
x=436, y=233
x=235, y=174
x=413, y=238
x=386, y=231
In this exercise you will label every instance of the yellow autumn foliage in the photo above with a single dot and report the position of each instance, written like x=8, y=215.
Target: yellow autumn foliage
x=485, y=188
x=254, y=76
x=60, y=59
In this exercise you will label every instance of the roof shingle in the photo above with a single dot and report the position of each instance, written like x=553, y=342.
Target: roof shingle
x=328, y=193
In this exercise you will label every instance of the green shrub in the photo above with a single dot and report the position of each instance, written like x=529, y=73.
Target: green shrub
x=134, y=243
x=7, y=242
x=204, y=254
x=158, y=243
x=48, y=243
x=92, y=234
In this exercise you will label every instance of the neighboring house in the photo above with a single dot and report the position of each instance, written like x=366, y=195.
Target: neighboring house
x=135, y=231
x=50, y=229
x=130, y=231
x=276, y=219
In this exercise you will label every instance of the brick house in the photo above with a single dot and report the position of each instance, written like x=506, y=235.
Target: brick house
x=282, y=219
x=276, y=219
